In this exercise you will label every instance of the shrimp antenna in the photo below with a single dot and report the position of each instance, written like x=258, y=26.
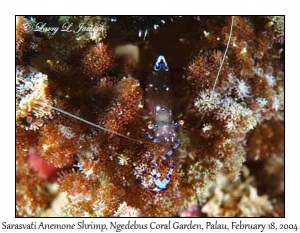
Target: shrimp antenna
x=87, y=122
x=223, y=59
x=219, y=71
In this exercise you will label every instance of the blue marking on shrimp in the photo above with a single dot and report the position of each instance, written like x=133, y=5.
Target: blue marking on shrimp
x=153, y=139
x=161, y=185
x=161, y=62
x=170, y=152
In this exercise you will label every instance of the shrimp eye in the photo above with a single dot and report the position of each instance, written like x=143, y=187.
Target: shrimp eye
x=155, y=125
x=150, y=126
x=181, y=122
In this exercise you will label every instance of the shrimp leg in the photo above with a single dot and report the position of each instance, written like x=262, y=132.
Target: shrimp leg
x=153, y=139
x=170, y=152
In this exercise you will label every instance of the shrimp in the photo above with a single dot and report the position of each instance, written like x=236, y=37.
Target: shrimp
x=163, y=126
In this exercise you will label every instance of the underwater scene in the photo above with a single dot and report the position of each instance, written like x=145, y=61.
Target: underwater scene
x=150, y=116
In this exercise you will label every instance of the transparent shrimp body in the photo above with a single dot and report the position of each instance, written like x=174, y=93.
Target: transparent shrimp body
x=163, y=126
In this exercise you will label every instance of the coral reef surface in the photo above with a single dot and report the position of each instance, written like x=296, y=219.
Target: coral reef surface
x=82, y=113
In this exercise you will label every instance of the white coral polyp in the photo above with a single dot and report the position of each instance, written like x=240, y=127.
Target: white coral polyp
x=271, y=79
x=242, y=89
x=207, y=100
x=262, y=102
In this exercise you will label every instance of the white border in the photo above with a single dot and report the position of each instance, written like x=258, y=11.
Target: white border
x=274, y=7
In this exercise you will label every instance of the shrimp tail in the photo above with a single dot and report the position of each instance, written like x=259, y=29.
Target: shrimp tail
x=161, y=185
